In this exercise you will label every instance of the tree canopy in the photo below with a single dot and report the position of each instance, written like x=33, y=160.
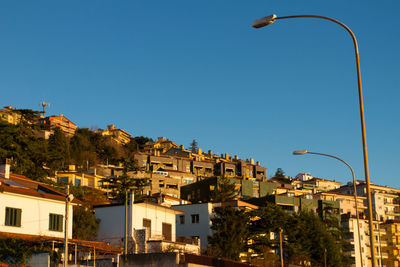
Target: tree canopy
x=224, y=191
x=307, y=236
x=193, y=146
x=230, y=232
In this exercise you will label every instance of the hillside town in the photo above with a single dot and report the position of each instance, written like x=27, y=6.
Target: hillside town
x=140, y=197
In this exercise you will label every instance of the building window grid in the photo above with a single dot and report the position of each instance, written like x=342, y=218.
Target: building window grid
x=56, y=222
x=195, y=218
x=13, y=217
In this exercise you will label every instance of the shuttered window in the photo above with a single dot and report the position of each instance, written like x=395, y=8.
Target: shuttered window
x=167, y=231
x=13, y=217
x=147, y=225
x=56, y=222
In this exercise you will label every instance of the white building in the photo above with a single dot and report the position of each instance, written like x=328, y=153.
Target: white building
x=30, y=208
x=196, y=221
x=151, y=227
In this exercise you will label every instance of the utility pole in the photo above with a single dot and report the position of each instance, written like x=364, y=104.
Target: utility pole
x=68, y=199
x=281, y=246
x=126, y=227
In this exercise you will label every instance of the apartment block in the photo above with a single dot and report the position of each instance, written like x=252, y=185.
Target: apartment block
x=385, y=200
x=118, y=135
x=66, y=126
x=392, y=239
x=9, y=115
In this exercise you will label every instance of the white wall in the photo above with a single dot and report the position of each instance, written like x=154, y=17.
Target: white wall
x=35, y=214
x=201, y=229
x=111, y=227
x=157, y=214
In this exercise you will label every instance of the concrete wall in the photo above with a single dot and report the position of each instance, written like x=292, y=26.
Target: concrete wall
x=150, y=260
x=200, y=229
x=35, y=214
x=157, y=214
x=111, y=227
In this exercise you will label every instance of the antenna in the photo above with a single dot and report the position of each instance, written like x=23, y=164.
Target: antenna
x=44, y=105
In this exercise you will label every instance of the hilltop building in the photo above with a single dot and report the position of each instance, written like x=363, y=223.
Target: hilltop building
x=79, y=177
x=65, y=125
x=118, y=135
x=200, y=192
x=165, y=155
x=307, y=181
x=9, y=115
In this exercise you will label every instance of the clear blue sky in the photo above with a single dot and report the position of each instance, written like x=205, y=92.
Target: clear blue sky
x=197, y=70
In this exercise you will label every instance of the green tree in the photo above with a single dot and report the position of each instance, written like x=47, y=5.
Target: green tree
x=308, y=239
x=280, y=176
x=85, y=224
x=230, y=232
x=138, y=142
x=58, y=150
x=279, y=173
x=28, y=116
x=14, y=251
x=224, y=191
x=120, y=186
x=27, y=151
x=265, y=220
x=193, y=146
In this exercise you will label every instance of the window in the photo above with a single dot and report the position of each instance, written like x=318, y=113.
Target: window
x=56, y=222
x=195, y=218
x=13, y=217
x=167, y=231
x=182, y=219
x=147, y=226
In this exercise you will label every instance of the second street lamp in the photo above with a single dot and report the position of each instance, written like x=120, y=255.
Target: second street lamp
x=303, y=152
x=271, y=19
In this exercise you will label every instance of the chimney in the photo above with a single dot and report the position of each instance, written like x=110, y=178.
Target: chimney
x=236, y=157
x=199, y=151
x=251, y=161
x=182, y=147
x=258, y=163
x=5, y=168
x=161, y=139
x=210, y=152
x=226, y=156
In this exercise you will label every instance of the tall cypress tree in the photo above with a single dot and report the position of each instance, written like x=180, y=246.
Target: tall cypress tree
x=58, y=150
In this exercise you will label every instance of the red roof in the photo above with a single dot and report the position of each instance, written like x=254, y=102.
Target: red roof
x=20, y=184
x=99, y=246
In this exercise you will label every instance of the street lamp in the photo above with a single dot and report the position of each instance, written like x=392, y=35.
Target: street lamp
x=303, y=152
x=271, y=19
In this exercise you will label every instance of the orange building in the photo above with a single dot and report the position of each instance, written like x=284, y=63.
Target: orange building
x=118, y=135
x=67, y=126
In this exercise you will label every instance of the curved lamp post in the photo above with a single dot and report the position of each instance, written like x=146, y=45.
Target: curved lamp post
x=303, y=152
x=271, y=19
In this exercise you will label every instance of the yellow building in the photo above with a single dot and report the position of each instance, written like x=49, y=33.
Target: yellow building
x=161, y=144
x=118, y=135
x=392, y=238
x=80, y=178
x=9, y=115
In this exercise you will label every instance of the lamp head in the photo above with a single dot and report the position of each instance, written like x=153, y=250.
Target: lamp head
x=300, y=152
x=259, y=23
